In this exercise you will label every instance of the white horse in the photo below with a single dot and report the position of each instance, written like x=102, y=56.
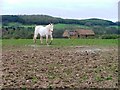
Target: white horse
x=43, y=31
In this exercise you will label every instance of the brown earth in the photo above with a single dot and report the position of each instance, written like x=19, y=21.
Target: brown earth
x=57, y=67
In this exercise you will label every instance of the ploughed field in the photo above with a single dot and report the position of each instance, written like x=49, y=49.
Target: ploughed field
x=83, y=66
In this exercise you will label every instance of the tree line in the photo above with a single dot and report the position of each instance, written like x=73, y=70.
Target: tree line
x=24, y=32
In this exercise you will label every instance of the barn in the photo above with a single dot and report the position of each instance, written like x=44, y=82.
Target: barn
x=85, y=33
x=81, y=33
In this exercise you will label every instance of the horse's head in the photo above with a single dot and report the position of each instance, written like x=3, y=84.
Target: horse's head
x=51, y=27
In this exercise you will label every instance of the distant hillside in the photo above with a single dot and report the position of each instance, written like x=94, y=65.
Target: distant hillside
x=45, y=19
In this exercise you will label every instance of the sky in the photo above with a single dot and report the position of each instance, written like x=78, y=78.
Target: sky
x=68, y=9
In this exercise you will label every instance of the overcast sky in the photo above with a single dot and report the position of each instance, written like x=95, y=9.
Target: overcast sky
x=76, y=9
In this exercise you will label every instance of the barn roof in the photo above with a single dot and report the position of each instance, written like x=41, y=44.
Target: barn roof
x=85, y=32
x=72, y=33
x=68, y=33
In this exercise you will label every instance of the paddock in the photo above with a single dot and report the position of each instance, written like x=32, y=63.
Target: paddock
x=79, y=65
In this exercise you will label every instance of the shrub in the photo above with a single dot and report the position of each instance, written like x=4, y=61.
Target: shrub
x=109, y=36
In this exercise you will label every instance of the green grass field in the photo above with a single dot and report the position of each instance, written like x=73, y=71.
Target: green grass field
x=56, y=26
x=63, y=26
x=62, y=42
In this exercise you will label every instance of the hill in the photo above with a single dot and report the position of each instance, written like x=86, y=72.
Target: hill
x=45, y=19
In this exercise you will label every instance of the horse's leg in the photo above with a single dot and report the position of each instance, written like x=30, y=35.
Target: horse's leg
x=34, y=38
x=51, y=37
x=41, y=39
x=47, y=39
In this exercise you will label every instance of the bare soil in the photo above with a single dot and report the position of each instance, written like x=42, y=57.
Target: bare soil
x=60, y=67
